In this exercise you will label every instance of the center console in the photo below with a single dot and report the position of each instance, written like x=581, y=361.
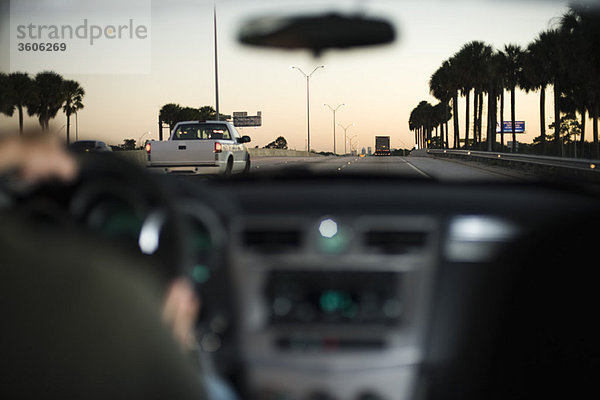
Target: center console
x=333, y=307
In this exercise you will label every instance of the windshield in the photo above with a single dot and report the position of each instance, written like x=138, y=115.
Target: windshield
x=436, y=78
x=299, y=199
x=201, y=132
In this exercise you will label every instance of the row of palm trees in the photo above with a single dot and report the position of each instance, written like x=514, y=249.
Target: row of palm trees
x=565, y=57
x=426, y=118
x=43, y=95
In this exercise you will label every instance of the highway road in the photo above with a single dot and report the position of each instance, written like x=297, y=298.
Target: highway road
x=419, y=167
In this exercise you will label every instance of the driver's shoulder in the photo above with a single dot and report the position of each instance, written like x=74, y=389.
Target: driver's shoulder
x=76, y=310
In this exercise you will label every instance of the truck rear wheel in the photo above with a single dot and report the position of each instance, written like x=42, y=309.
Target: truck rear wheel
x=248, y=164
x=229, y=167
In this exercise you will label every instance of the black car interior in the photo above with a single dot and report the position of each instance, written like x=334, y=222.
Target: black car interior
x=359, y=287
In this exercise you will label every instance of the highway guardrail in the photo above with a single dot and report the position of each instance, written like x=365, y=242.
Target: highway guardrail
x=540, y=163
x=582, y=164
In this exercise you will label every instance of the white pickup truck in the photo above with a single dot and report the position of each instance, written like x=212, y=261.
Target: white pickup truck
x=198, y=147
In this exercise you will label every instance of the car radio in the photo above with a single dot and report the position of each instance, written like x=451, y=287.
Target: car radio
x=323, y=296
x=334, y=306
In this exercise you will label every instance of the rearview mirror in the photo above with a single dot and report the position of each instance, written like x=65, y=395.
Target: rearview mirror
x=244, y=139
x=317, y=33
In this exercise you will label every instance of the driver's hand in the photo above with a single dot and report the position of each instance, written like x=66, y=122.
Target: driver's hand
x=37, y=158
x=180, y=310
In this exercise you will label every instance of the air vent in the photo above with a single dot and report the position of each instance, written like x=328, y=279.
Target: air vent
x=394, y=242
x=271, y=240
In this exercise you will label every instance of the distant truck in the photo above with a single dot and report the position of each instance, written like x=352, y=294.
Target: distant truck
x=197, y=147
x=382, y=146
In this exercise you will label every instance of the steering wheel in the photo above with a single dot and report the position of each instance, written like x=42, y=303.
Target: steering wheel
x=178, y=228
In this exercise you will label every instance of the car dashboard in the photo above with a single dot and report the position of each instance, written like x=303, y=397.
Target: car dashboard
x=358, y=289
x=321, y=287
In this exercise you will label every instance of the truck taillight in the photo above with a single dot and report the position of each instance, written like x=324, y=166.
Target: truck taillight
x=218, y=147
x=148, y=147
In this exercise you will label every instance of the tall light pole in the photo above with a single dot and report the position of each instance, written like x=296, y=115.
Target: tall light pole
x=307, y=76
x=352, y=146
x=334, y=110
x=345, y=128
x=216, y=62
x=140, y=139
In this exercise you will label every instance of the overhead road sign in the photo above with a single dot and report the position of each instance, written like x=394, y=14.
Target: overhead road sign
x=242, y=119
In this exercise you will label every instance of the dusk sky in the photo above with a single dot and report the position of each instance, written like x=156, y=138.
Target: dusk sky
x=380, y=86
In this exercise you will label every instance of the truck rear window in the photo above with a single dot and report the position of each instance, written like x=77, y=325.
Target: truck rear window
x=201, y=132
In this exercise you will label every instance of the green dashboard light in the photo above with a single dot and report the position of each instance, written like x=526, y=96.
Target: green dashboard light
x=122, y=223
x=200, y=274
x=336, y=244
x=201, y=241
x=335, y=300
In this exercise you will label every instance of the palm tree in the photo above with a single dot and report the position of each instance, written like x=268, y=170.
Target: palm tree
x=73, y=96
x=207, y=112
x=445, y=84
x=500, y=65
x=414, y=125
x=441, y=114
x=495, y=87
x=470, y=68
x=537, y=75
x=554, y=41
x=470, y=64
x=46, y=98
x=464, y=74
x=6, y=106
x=168, y=114
x=20, y=88
x=482, y=58
x=441, y=87
x=428, y=119
x=421, y=122
x=580, y=31
x=172, y=113
x=453, y=76
x=589, y=29
x=514, y=66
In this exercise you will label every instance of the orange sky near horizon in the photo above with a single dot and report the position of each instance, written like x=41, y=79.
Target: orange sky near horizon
x=380, y=86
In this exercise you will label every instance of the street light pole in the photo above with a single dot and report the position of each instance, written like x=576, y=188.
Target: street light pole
x=352, y=147
x=334, y=110
x=345, y=128
x=307, y=76
x=216, y=61
x=140, y=139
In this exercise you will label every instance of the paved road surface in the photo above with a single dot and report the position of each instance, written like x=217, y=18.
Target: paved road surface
x=427, y=167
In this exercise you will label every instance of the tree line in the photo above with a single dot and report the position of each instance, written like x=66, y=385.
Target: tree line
x=564, y=57
x=172, y=113
x=43, y=95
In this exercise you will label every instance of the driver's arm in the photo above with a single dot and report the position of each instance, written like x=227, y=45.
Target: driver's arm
x=36, y=157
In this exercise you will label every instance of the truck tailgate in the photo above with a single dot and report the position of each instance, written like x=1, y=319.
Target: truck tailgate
x=183, y=152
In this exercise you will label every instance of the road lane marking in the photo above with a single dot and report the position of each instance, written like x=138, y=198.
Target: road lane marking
x=417, y=169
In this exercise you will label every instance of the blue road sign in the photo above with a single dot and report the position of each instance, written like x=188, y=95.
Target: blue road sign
x=507, y=126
